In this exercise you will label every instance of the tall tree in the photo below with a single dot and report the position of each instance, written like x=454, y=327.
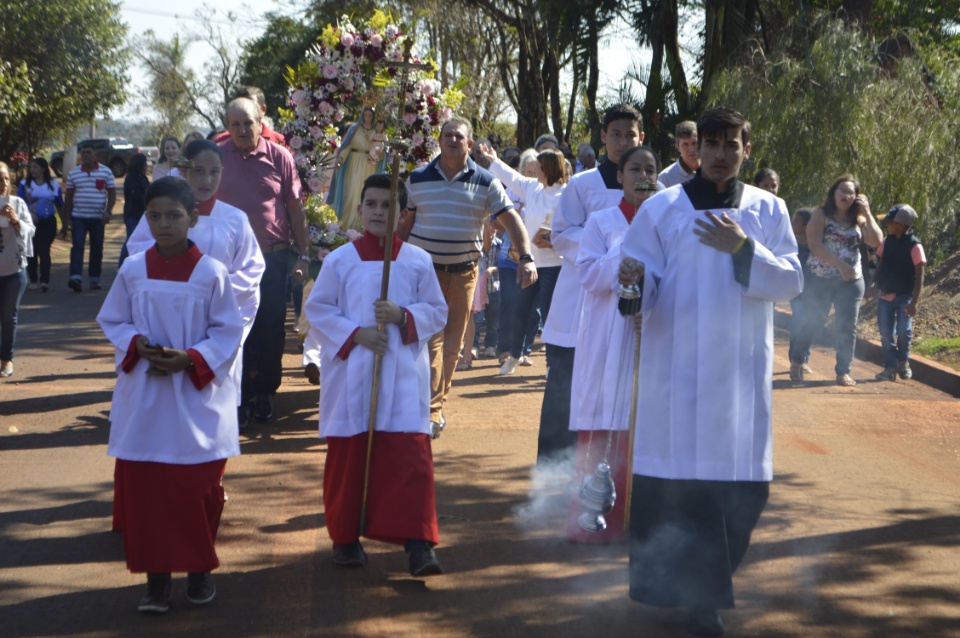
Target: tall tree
x=75, y=57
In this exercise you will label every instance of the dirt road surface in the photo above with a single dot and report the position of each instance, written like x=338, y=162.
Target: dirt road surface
x=860, y=537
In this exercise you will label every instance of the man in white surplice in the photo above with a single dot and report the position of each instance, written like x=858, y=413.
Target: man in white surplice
x=711, y=257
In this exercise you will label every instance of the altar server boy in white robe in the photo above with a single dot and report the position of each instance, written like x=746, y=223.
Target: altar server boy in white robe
x=603, y=370
x=344, y=308
x=223, y=232
x=173, y=318
x=711, y=256
x=586, y=192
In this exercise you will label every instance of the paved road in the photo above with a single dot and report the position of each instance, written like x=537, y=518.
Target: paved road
x=860, y=538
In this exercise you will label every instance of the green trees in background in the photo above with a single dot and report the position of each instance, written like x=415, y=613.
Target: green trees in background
x=827, y=105
x=71, y=55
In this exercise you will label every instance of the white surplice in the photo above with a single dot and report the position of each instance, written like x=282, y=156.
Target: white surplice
x=603, y=367
x=584, y=194
x=165, y=419
x=225, y=234
x=707, y=350
x=342, y=301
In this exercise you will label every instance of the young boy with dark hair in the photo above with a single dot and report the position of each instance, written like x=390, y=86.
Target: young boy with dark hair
x=586, y=192
x=683, y=170
x=898, y=282
x=174, y=320
x=344, y=309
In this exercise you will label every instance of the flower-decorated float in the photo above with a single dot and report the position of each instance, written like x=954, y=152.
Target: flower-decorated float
x=347, y=76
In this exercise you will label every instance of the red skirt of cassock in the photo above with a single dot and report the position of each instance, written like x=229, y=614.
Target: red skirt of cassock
x=591, y=447
x=169, y=514
x=401, y=504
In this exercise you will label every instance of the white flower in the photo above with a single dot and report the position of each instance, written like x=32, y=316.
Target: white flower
x=353, y=234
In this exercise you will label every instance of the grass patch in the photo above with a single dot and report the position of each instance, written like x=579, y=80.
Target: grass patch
x=938, y=347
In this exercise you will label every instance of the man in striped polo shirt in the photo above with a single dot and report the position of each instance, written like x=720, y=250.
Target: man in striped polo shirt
x=449, y=200
x=91, y=194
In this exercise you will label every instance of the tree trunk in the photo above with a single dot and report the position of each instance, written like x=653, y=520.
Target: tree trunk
x=593, y=80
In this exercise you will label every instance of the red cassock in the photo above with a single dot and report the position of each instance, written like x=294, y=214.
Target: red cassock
x=401, y=504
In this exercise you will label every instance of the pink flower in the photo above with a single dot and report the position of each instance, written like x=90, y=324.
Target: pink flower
x=330, y=71
x=316, y=132
x=333, y=227
x=325, y=109
x=353, y=234
x=337, y=115
x=446, y=112
x=347, y=84
x=392, y=31
x=409, y=118
x=297, y=97
x=324, y=253
x=427, y=88
x=296, y=142
x=315, y=184
x=376, y=39
x=346, y=40
x=417, y=139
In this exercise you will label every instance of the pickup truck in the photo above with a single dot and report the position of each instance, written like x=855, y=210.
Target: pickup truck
x=114, y=152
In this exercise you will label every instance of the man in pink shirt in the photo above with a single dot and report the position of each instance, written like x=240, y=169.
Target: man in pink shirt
x=260, y=178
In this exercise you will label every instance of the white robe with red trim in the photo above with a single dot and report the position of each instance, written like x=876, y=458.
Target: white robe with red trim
x=603, y=367
x=225, y=234
x=166, y=419
x=341, y=302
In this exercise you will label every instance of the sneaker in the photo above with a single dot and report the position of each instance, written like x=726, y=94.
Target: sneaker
x=704, y=622
x=490, y=353
x=845, y=380
x=509, y=365
x=74, y=285
x=243, y=417
x=44, y=287
x=33, y=286
x=806, y=368
x=200, y=588
x=796, y=372
x=94, y=285
x=312, y=372
x=423, y=560
x=526, y=361
x=887, y=374
x=156, y=600
x=904, y=370
x=349, y=554
x=263, y=408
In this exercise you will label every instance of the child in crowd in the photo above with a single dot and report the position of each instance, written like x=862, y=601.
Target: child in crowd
x=602, y=370
x=344, y=309
x=222, y=232
x=899, y=281
x=174, y=320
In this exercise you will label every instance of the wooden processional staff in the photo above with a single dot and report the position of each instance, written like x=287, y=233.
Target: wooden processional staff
x=398, y=144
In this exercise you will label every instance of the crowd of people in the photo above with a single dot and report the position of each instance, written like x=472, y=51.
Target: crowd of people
x=491, y=247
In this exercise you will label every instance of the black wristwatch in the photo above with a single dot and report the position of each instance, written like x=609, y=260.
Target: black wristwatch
x=526, y=257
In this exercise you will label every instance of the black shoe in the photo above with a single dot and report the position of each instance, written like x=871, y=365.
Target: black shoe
x=704, y=622
x=312, y=372
x=349, y=555
x=423, y=560
x=243, y=417
x=200, y=588
x=263, y=408
x=156, y=600
x=74, y=285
